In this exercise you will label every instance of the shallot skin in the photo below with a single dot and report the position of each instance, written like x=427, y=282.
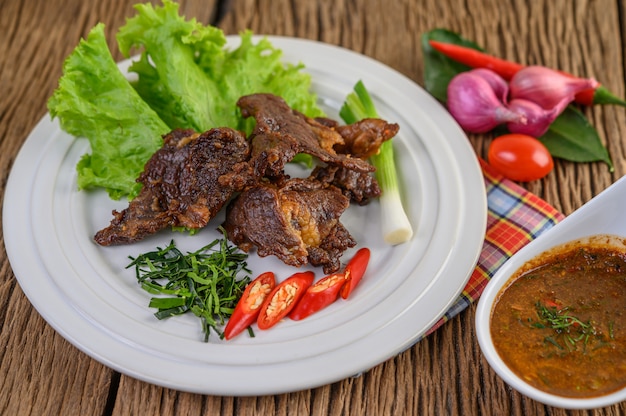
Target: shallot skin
x=474, y=104
x=547, y=87
x=498, y=84
x=538, y=119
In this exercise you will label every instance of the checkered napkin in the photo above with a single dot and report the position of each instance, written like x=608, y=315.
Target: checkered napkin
x=514, y=218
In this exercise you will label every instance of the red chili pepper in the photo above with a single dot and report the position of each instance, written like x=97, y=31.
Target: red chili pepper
x=477, y=59
x=319, y=296
x=249, y=305
x=506, y=69
x=586, y=97
x=355, y=270
x=283, y=299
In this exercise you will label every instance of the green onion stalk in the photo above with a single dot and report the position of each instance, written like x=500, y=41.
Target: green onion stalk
x=396, y=227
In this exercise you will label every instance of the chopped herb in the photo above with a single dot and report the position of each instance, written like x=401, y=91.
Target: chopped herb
x=612, y=330
x=205, y=282
x=570, y=329
x=552, y=341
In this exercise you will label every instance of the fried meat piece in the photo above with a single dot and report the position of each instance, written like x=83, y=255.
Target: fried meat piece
x=364, y=138
x=359, y=187
x=297, y=221
x=180, y=185
x=361, y=139
x=281, y=133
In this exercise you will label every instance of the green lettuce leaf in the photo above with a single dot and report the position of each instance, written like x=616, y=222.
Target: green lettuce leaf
x=193, y=81
x=170, y=79
x=95, y=100
x=258, y=68
x=186, y=77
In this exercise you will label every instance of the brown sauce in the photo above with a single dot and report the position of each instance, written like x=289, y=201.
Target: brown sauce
x=560, y=322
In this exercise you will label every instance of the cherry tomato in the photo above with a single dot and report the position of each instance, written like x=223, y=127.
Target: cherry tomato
x=355, y=270
x=520, y=157
x=283, y=298
x=249, y=305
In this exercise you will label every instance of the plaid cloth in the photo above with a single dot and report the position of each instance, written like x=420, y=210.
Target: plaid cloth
x=514, y=218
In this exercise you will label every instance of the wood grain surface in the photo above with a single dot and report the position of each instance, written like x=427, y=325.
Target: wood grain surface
x=43, y=374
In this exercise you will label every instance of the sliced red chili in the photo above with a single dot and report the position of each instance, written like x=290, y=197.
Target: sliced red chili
x=249, y=305
x=283, y=299
x=355, y=270
x=551, y=303
x=318, y=296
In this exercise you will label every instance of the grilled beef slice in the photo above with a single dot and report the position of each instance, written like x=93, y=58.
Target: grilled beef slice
x=281, y=133
x=364, y=138
x=359, y=187
x=180, y=185
x=297, y=221
x=361, y=140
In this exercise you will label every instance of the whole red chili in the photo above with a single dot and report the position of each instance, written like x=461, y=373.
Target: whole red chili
x=477, y=59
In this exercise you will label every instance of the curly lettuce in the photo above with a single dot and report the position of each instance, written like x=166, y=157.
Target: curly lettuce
x=186, y=77
x=95, y=100
x=170, y=79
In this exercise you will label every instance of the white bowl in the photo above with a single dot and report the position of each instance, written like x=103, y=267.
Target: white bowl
x=604, y=214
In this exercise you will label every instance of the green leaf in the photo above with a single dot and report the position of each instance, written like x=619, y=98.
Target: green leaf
x=167, y=313
x=170, y=45
x=572, y=138
x=95, y=100
x=192, y=80
x=166, y=303
x=439, y=69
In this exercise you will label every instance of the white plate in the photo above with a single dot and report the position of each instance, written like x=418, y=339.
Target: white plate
x=85, y=292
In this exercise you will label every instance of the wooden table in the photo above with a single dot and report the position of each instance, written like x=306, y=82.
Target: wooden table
x=42, y=373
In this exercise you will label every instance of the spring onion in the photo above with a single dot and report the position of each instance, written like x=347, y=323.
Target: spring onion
x=205, y=282
x=395, y=223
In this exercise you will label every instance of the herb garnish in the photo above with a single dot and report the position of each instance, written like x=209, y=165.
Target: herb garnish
x=204, y=282
x=567, y=328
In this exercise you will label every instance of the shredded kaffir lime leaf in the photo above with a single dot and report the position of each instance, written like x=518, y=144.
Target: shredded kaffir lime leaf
x=205, y=282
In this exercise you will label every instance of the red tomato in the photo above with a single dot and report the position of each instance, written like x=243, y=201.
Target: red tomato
x=283, y=298
x=249, y=305
x=520, y=157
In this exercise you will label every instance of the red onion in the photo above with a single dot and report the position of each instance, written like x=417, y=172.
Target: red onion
x=538, y=119
x=475, y=106
x=498, y=84
x=547, y=87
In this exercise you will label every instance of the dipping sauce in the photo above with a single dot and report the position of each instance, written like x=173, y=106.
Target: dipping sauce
x=560, y=322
